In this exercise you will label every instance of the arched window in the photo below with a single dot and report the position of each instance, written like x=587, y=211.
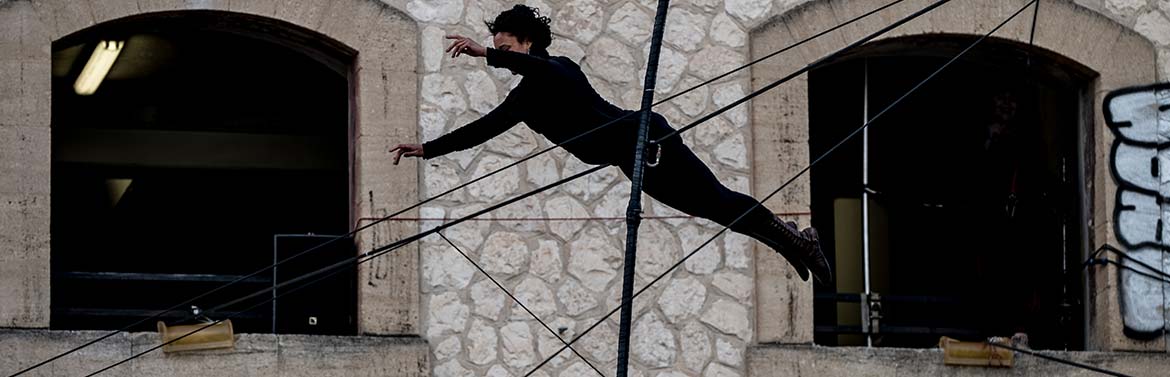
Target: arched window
x=972, y=187
x=192, y=148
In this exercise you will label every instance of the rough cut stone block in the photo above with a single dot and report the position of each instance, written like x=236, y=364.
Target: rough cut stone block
x=23, y=33
x=266, y=8
x=24, y=93
x=24, y=260
x=27, y=347
x=65, y=17
x=347, y=20
x=784, y=302
x=304, y=13
x=787, y=360
x=387, y=100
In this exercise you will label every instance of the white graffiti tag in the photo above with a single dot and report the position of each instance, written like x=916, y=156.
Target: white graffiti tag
x=1140, y=120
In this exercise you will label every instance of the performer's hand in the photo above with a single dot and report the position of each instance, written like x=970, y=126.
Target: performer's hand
x=464, y=45
x=408, y=150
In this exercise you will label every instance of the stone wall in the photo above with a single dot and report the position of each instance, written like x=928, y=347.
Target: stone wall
x=698, y=321
x=568, y=270
x=1149, y=18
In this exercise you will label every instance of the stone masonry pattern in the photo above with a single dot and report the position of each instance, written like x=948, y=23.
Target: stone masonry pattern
x=696, y=322
x=699, y=321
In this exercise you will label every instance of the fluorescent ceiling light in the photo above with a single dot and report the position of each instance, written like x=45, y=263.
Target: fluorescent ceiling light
x=116, y=188
x=97, y=67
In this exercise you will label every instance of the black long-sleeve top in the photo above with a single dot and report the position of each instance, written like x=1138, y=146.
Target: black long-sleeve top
x=555, y=100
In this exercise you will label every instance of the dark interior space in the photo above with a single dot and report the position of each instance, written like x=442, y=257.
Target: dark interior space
x=172, y=178
x=973, y=201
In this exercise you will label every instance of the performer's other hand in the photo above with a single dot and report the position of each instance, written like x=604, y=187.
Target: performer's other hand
x=408, y=150
x=464, y=45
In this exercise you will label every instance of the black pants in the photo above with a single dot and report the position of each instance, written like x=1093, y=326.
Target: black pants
x=682, y=181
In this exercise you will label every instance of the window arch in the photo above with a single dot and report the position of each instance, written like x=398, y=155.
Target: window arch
x=1119, y=57
x=188, y=162
x=972, y=187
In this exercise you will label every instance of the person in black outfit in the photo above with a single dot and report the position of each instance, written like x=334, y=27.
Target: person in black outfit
x=555, y=99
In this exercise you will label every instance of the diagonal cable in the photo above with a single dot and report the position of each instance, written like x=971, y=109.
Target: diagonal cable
x=1032, y=33
x=823, y=60
x=189, y=301
x=1123, y=266
x=338, y=267
x=1059, y=360
x=794, y=177
x=377, y=252
x=1126, y=256
x=402, y=242
x=517, y=300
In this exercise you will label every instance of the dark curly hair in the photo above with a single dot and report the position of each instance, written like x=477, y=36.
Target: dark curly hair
x=526, y=24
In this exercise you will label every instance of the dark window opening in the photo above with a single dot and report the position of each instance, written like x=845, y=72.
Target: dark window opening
x=972, y=194
x=202, y=144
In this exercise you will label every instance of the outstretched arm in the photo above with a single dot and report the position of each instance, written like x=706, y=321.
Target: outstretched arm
x=520, y=63
x=475, y=133
x=523, y=64
x=483, y=129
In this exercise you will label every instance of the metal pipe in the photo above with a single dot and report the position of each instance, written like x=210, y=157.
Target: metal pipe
x=634, y=209
x=865, y=193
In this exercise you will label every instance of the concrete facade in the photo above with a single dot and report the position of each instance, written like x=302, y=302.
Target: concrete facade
x=726, y=312
x=792, y=361
x=254, y=355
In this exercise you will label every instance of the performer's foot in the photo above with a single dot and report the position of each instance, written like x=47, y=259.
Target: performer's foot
x=815, y=258
x=770, y=238
x=802, y=249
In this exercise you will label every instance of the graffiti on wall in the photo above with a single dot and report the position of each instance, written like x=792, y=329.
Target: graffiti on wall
x=1140, y=120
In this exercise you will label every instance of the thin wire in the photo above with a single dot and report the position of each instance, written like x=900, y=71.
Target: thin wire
x=582, y=218
x=187, y=302
x=810, y=66
x=382, y=250
x=359, y=259
x=213, y=323
x=1032, y=34
x=1130, y=268
x=1126, y=256
x=1161, y=276
x=1057, y=359
x=517, y=300
x=794, y=177
x=782, y=50
x=395, y=245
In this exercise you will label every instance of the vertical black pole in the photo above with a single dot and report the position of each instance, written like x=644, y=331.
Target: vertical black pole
x=633, y=212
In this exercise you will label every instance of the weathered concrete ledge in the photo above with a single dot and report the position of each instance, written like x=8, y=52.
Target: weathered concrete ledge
x=800, y=360
x=254, y=355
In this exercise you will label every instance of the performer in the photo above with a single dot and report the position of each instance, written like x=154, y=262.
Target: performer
x=555, y=99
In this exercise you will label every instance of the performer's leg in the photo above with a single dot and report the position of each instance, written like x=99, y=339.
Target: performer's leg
x=682, y=181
